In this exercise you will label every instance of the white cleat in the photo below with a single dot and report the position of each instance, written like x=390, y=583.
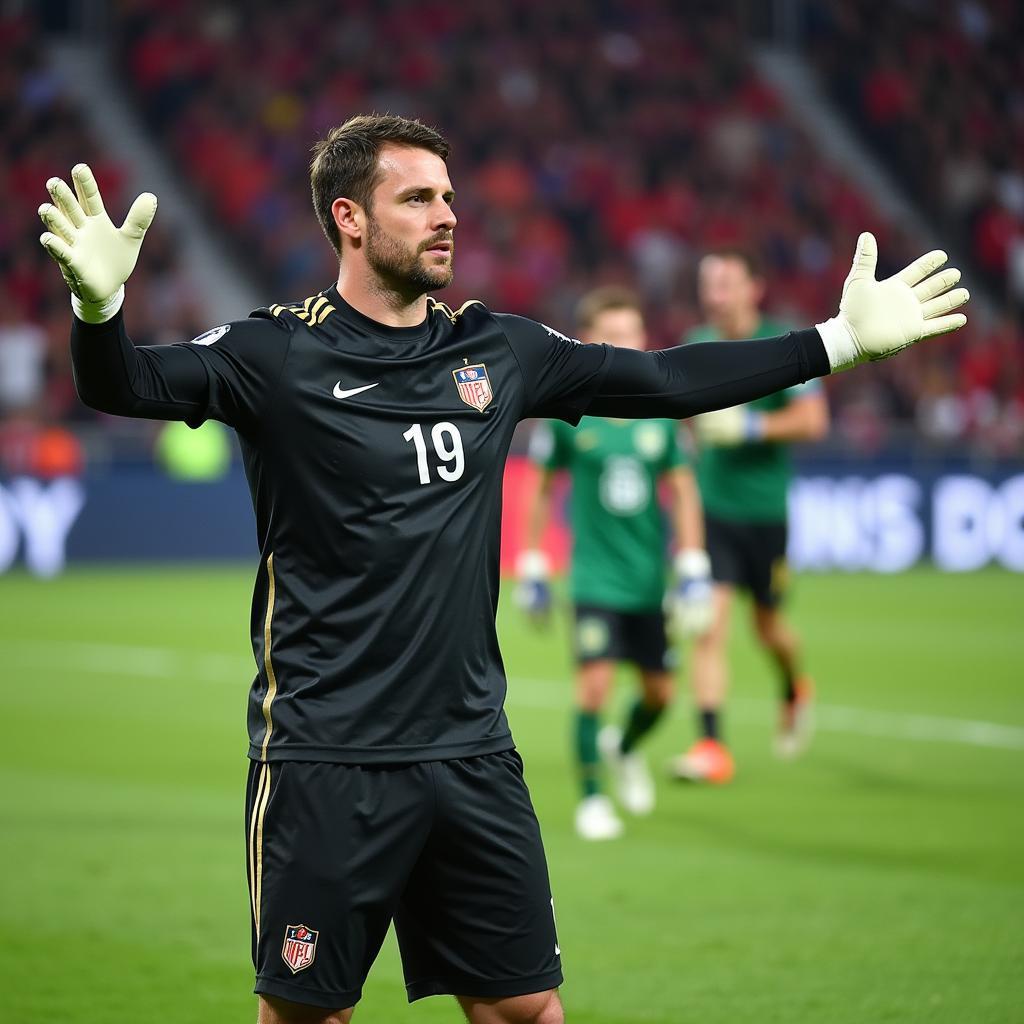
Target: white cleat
x=596, y=819
x=632, y=779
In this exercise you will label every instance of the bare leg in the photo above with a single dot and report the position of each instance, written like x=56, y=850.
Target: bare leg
x=658, y=688
x=780, y=641
x=536, y=1008
x=593, y=684
x=708, y=760
x=710, y=670
x=796, y=715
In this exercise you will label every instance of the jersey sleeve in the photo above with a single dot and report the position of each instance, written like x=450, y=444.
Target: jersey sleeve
x=226, y=374
x=690, y=379
x=549, y=445
x=560, y=376
x=243, y=362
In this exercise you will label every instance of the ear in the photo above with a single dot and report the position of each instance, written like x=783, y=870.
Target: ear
x=350, y=218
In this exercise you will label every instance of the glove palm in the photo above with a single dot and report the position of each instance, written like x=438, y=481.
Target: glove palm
x=95, y=256
x=877, y=319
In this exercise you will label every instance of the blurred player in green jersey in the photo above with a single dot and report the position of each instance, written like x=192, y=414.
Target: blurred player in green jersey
x=744, y=470
x=619, y=568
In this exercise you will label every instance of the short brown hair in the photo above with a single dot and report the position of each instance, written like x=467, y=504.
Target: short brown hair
x=601, y=300
x=346, y=162
x=741, y=254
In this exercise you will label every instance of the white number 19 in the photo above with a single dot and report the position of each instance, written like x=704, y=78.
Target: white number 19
x=447, y=450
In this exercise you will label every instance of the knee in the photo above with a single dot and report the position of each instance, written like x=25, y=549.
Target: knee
x=549, y=1011
x=537, y=1008
x=765, y=633
x=659, y=693
x=552, y=1013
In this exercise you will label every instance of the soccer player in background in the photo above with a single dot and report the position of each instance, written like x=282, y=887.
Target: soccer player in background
x=618, y=571
x=744, y=470
x=374, y=424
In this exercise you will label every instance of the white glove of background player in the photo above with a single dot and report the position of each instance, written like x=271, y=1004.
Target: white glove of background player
x=877, y=319
x=95, y=257
x=690, y=604
x=727, y=427
x=533, y=594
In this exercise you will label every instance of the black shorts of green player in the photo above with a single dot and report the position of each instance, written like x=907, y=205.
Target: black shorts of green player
x=749, y=555
x=375, y=457
x=603, y=634
x=449, y=850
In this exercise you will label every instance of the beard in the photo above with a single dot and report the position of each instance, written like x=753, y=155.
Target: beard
x=400, y=268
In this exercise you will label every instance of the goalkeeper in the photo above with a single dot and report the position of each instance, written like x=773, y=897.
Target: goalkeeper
x=618, y=572
x=378, y=646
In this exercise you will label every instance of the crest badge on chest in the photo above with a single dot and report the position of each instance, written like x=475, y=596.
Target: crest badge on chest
x=474, y=386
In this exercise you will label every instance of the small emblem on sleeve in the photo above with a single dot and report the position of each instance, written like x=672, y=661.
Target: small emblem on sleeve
x=559, y=334
x=212, y=335
x=299, y=947
x=474, y=386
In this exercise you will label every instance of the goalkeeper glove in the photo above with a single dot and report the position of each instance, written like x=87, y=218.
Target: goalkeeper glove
x=728, y=427
x=877, y=319
x=690, y=604
x=95, y=257
x=533, y=594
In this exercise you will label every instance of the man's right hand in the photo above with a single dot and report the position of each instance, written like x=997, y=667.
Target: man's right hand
x=95, y=257
x=533, y=593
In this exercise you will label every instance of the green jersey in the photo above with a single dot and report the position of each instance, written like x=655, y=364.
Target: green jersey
x=748, y=482
x=620, y=539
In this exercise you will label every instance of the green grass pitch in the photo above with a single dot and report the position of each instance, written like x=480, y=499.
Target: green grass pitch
x=879, y=879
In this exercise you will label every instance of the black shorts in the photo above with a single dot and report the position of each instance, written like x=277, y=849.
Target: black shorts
x=450, y=850
x=606, y=635
x=751, y=556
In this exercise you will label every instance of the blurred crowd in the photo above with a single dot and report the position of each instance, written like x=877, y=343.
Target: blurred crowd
x=937, y=90
x=43, y=134
x=593, y=142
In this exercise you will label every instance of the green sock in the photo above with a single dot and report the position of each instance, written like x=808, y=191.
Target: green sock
x=642, y=719
x=587, y=724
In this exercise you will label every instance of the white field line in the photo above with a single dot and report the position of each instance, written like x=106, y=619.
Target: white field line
x=548, y=694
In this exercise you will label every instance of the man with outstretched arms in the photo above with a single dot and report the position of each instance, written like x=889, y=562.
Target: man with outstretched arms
x=618, y=577
x=744, y=469
x=374, y=425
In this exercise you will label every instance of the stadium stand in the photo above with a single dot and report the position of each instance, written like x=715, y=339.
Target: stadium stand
x=666, y=143
x=43, y=135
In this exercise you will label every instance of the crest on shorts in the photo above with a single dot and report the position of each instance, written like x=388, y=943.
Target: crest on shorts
x=299, y=947
x=474, y=386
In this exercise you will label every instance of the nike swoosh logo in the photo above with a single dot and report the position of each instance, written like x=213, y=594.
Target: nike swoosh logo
x=340, y=392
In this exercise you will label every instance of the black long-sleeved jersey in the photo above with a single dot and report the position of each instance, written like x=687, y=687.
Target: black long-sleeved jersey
x=374, y=456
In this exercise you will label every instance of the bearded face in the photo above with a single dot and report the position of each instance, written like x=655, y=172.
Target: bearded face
x=404, y=269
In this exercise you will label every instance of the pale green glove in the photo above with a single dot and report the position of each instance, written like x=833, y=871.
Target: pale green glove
x=877, y=319
x=95, y=257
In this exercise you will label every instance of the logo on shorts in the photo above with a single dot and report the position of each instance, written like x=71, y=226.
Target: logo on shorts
x=474, y=386
x=299, y=947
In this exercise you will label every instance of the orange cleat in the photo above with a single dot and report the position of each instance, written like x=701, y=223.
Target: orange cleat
x=706, y=761
x=796, y=721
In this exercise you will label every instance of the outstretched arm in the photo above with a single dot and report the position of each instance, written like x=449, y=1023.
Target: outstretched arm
x=876, y=320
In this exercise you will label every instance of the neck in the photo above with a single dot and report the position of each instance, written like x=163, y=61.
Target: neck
x=367, y=293
x=740, y=324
